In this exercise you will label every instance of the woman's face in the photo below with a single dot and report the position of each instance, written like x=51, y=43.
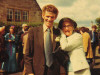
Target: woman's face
x=67, y=28
x=11, y=30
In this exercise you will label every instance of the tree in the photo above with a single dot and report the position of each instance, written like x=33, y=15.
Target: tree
x=98, y=23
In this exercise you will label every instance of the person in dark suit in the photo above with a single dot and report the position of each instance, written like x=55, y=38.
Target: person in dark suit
x=94, y=39
x=20, y=47
x=37, y=61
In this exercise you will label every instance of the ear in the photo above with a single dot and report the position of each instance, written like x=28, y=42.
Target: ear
x=55, y=17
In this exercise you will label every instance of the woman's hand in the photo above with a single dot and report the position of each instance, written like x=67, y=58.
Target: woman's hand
x=62, y=34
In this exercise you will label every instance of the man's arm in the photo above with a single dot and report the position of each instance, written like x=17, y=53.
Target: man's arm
x=28, y=58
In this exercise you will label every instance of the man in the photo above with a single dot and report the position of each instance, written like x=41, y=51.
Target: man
x=37, y=61
x=24, y=40
x=94, y=39
x=20, y=47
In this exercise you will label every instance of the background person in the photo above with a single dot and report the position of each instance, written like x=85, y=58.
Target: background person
x=20, y=47
x=10, y=65
x=94, y=40
x=24, y=41
x=87, y=45
x=2, y=48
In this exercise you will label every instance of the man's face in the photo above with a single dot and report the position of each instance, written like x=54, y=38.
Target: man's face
x=49, y=18
x=93, y=29
x=26, y=28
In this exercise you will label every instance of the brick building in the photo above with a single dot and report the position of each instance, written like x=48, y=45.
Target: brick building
x=20, y=11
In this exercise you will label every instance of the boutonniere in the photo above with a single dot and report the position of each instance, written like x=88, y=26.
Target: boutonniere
x=57, y=39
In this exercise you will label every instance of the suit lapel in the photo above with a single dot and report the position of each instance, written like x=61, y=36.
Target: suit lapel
x=54, y=43
x=42, y=36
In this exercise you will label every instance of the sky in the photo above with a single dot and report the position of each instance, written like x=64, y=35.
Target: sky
x=82, y=11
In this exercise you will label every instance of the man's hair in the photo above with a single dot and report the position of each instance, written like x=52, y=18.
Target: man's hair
x=50, y=8
x=94, y=26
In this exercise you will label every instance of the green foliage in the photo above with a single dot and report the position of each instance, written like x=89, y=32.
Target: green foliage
x=2, y=24
x=18, y=25
x=97, y=21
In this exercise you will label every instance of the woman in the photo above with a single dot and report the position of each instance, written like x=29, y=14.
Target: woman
x=87, y=44
x=72, y=42
x=11, y=64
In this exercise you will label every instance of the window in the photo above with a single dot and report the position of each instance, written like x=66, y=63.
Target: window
x=9, y=14
x=17, y=15
x=25, y=16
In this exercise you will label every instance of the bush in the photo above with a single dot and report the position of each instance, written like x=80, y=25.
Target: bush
x=18, y=25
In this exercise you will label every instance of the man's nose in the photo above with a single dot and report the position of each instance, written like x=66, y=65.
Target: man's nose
x=49, y=18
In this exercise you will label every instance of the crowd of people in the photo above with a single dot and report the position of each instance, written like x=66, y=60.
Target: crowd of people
x=10, y=44
x=35, y=47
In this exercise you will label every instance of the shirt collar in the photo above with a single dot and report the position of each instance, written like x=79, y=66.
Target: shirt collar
x=45, y=28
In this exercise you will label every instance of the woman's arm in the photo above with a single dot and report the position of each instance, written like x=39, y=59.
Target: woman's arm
x=71, y=42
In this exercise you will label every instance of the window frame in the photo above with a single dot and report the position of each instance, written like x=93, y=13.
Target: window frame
x=9, y=14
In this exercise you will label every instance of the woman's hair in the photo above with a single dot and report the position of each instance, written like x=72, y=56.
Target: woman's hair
x=60, y=25
x=83, y=29
x=12, y=27
x=50, y=8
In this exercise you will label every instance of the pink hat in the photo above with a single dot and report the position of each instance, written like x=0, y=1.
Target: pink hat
x=12, y=27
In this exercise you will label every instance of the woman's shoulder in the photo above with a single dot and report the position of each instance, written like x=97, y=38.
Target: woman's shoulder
x=77, y=34
x=86, y=34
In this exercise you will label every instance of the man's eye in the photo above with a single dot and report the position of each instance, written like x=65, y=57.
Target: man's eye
x=64, y=26
x=52, y=17
x=47, y=16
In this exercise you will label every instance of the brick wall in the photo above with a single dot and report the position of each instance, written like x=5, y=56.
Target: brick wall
x=27, y=5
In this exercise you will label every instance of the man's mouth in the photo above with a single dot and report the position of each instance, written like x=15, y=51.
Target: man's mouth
x=67, y=31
